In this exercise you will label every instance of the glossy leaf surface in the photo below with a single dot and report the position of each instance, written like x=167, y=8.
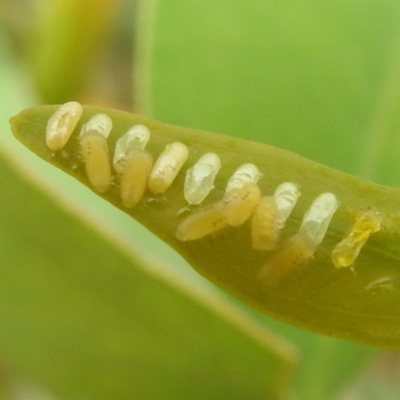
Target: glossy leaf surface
x=361, y=305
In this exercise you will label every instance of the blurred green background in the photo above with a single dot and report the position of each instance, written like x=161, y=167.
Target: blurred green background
x=92, y=306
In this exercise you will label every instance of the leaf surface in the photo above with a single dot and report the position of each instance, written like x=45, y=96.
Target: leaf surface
x=360, y=305
x=85, y=316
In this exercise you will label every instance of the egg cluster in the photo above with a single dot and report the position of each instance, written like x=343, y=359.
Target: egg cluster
x=241, y=202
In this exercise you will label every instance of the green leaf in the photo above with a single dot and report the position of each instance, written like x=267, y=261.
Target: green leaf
x=360, y=305
x=315, y=78
x=84, y=315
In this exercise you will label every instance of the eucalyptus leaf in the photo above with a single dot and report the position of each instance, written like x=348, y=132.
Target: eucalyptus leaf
x=359, y=304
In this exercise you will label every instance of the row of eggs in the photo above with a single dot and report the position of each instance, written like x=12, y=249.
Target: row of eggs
x=242, y=200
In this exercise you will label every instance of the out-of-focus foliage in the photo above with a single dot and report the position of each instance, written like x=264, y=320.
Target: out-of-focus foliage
x=85, y=314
